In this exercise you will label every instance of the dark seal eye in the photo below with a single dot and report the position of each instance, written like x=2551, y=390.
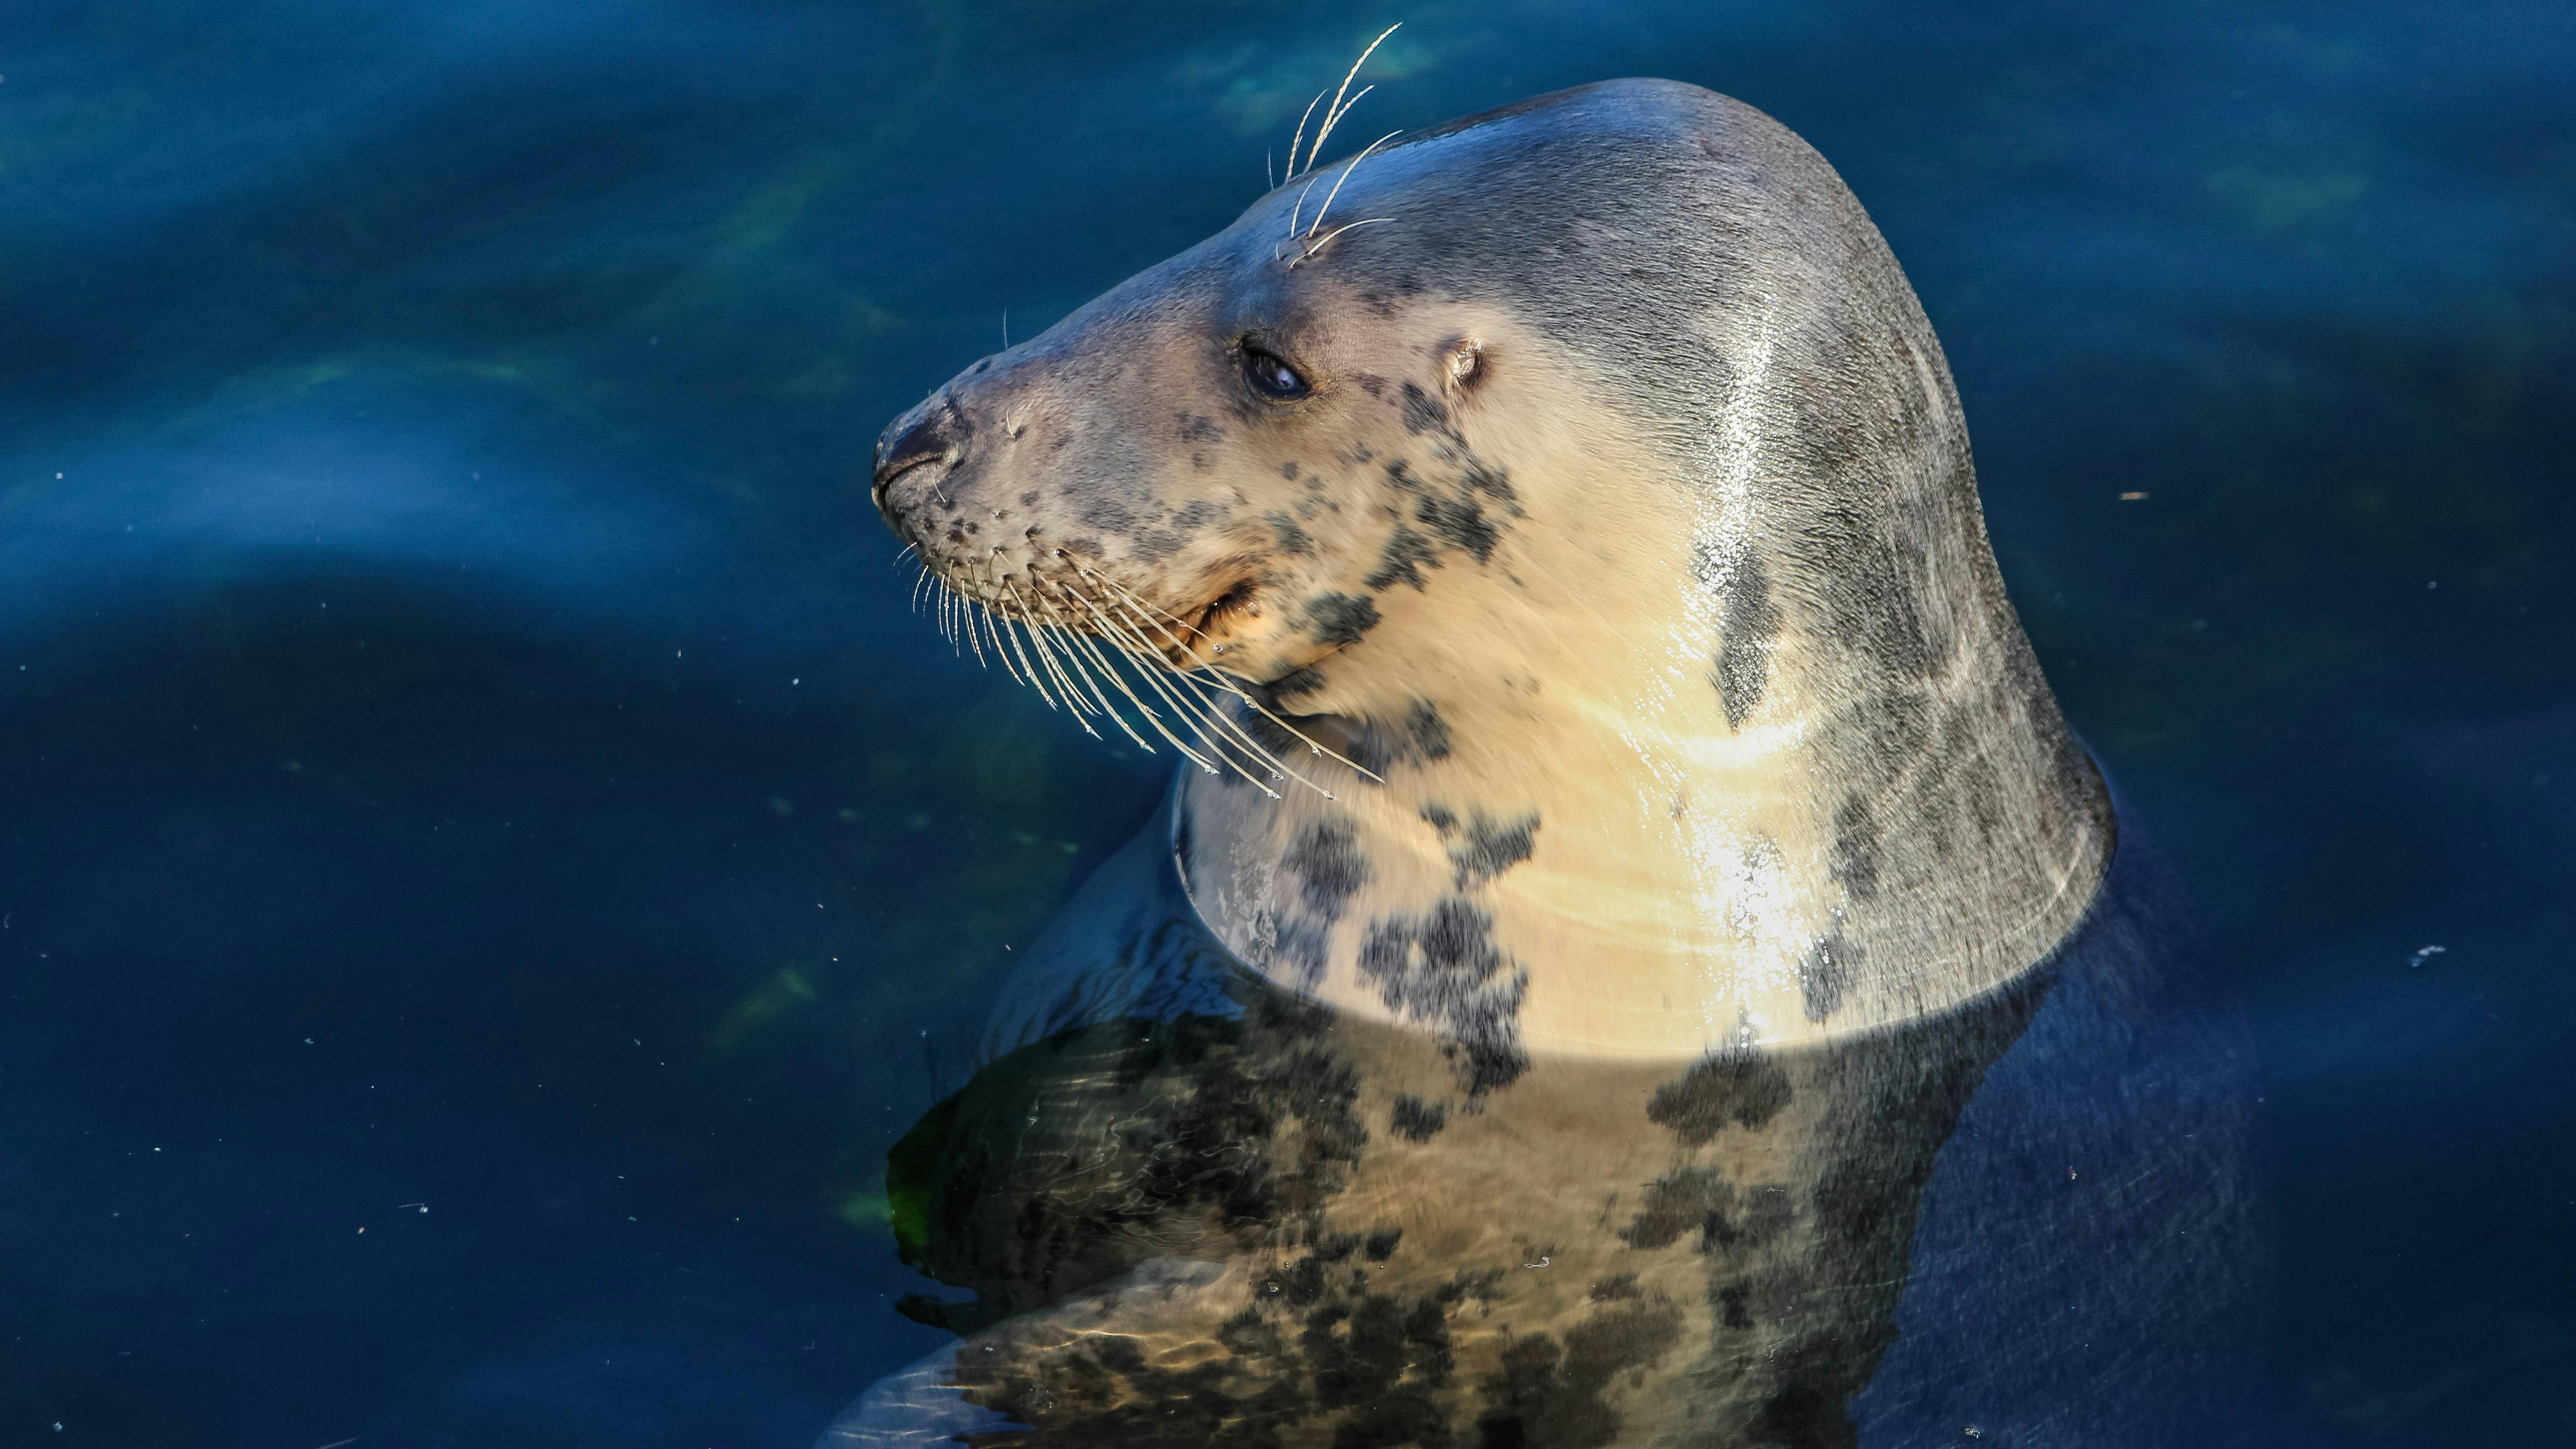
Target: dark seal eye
x=1272, y=377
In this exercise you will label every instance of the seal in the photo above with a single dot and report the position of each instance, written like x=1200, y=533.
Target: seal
x=1641, y=959
x=1576, y=498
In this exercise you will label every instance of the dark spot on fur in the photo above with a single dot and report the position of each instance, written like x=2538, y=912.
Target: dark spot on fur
x=1548, y=1394
x=1106, y=514
x=1739, y=1084
x=1701, y=1200
x=1295, y=683
x=1198, y=515
x=1205, y=1102
x=1825, y=973
x=1293, y=540
x=1380, y=1245
x=1370, y=383
x=1288, y=471
x=1752, y=622
x=1481, y=477
x=1199, y=429
x=1430, y=732
x=1416, y=1120
x=1731, y=1309
x=1440, y=817
x=1691, y=1199
x=1855, y=852
x=1422, y=412
x=1488, y=847
x=1405, y=552
x=1336, y=619
x=1458, y=522
x=1443, y=969
x=1029, y=499
x=1614, y=1288
x=1328, y=860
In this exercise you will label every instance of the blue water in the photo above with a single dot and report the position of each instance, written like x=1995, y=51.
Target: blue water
x=488, y=864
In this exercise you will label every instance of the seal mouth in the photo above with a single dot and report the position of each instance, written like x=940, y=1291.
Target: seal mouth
x=886, y=478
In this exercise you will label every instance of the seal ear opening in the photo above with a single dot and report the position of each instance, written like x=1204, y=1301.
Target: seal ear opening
x=1463, y=365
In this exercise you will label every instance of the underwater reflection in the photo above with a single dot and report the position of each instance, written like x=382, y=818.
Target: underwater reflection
x=1193, y=1208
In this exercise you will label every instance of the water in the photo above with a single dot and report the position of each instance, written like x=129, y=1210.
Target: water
x=471, y=776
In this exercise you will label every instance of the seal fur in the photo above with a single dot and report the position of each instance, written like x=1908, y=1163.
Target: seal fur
x=1583, y=1060
x=1624, y=540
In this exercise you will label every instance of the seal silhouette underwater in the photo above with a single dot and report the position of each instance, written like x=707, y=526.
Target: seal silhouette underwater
x=1641, y=959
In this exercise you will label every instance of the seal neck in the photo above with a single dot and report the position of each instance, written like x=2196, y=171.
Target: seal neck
x=1636, y=799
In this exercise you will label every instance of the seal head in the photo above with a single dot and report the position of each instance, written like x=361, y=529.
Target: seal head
x=1603, y=506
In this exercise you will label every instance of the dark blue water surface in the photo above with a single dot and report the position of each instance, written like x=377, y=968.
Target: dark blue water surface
x=488, y=862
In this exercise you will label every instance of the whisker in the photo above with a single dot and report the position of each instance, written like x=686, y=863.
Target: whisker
x=1075, y=704
x=1160, y=679
x=1203, y=710
x=1153, y=716
x=993, y=632
x=1243, y=738
x=1334, y=113
x=977, y=645
x=1028, y=671
x=1299, y=205
x=1317, y=248
x=1295, y=140
x=1219, y=680
x=1081, y=645
x=1347, y=168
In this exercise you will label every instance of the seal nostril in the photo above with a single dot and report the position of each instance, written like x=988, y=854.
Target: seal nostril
x=931, y=435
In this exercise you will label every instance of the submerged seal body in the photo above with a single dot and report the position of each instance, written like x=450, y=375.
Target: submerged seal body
x=1634, y=838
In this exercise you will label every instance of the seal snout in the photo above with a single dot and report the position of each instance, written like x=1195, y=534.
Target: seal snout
x=933, y=433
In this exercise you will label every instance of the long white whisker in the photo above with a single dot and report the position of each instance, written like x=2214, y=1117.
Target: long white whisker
x=1063, y=683
x=1335, y=118
x=1347, y=168
x=1299, y=204
x=1028, y=671
x=1117, y=637
x=993, y=631
x=1082, y=645
x=1259, y=750
x=1296, y=140
x=1210, y=729
x=1217, y=677
x=1334, y=113
x=1158, y=679
x=1316, y=249
x=1199, y=709
x=1037, y=632
x=977, y=645
x=1075, y=704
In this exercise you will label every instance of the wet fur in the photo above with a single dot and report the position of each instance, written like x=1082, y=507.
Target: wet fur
x=1633, y=463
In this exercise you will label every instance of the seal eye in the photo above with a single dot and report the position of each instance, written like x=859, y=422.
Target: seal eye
x=1272, y=377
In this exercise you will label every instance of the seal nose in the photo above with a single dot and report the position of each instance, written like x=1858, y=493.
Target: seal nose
x=930, y=434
